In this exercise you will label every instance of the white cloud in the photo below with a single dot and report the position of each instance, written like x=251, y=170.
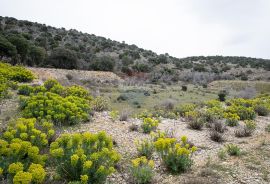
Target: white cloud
x=178, y=27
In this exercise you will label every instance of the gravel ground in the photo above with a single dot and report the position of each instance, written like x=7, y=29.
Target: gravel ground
x=207, y=168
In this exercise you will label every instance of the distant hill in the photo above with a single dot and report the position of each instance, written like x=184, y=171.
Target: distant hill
x=35, y=44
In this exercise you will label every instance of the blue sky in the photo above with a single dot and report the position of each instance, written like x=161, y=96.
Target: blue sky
x=178, y=27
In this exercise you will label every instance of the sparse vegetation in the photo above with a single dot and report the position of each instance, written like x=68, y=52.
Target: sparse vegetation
x=233, y=150
x=48, y=135
x=176, y=156
x=149, y=124
x=142, y=170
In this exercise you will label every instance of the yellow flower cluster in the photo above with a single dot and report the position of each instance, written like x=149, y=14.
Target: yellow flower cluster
x=89, y=154
x=149, y=124
x=29, y=130
x=14, y=168
x=84, y=179
x=175, y=155
x=142, y=161
x=38, y=173
x=22, y=178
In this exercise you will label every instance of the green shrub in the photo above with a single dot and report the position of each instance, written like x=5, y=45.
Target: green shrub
x=184, y=88
x=87, y=157
x=216, y=136
x=25, y=90
x=244, y=113
x=164, y=114
x=222, y=95
x=142, y=170
x=231, y=119
x=37, y=134
x=261, y=110
x=233, y=150
x=13, y=85
x=100, y=104
x=15, y=73
x=17, y=155
x=176, y=156
x=182, y=109
x=246, y=130
x=222, y=154
x=114, y=115
x=54, y=86
x=78, y=91
x=55, y=108
x=149, y=124
x=145, y=148
x=196, y=123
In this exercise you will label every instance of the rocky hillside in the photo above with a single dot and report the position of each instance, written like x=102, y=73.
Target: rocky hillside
x=35, y=44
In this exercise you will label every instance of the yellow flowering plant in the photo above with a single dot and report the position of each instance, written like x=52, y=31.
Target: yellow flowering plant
x=79, y=155
x=30, y=130
x=145, y=147
x=149, y=124
x=176, y=155
x=142, y=170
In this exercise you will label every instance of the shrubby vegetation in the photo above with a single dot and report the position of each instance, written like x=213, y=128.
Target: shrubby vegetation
x=149, y=124
x=71, y=49
x=86, y=157
x=176, y=156
x=9, y=75
x=52, y=102
x=142, y=170
x=21, y=145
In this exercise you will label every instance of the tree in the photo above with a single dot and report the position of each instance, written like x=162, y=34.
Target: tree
x=36, y=55
x=104, y=63
x=63, y=58
x=21, y=44
x=6, y=48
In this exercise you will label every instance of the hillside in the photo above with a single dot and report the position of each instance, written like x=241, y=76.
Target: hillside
x=35, y=44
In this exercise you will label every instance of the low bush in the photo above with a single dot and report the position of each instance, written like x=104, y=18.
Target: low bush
x=100, y=104
x=233, y=150
x=124, y=115
x=25, y=90
x=86, y=157
x=184, y=88
x=222, y=154
x=142, y=170
x=52, y=107
x=231, y=119
x=69, y=76
x=175, y=155
x=196, y=123
x=21, y=147
x=15, y=73
x=244, y=113
x=216, y=136
x=222, y=95
x=114, y=115
x=164, y=113
x=149, y=124
x=145, y=148
x=30, y=130
x=261, y=110
x=218, y=126
x=182, y=109
x=246, y=130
